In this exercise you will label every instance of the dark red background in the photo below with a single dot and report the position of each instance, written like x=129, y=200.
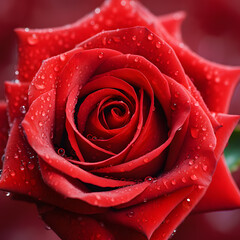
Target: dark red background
x=210, y=29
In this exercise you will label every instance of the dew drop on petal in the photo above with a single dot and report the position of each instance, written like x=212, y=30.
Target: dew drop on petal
x=62, y=57
x=148, y=179
x=13, y=174
x=130, y=214
x=184, y=180
x=194, y=132
x=204, y=167
x=146, y=160
x=173, y=182
x=61, y=151
x=8, y=194
x=100, y=56
x=30, y=166
x=150, y=37
x=32, y=40
x=194, y=177
x=158, y=44
x=22, y=109
x=190, y=162
x=22, y=168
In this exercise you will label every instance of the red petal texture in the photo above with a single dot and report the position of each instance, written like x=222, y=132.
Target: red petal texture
x=16, y=96
x=117, y=134
x=21, y=175
x=70, y=226
x=218, y=197
x=4, y=127
x=172, y=23
x=37, y=45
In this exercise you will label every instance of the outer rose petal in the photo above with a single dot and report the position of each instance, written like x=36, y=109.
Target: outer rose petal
x=3, y=128
x=218, y=197
x=16, y=95
x=70, y=226
x=172, y=22
x=21, y=175
x=215, y=82
x=35, y=46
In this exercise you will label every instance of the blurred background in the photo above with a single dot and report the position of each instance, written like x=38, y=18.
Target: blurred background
x=211, y=29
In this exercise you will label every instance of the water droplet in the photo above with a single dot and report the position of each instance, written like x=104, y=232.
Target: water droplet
x=194, y=132
x=150, y=37
x=47, y=227
x=22, y=109
x=8, y=194
x=116, y=39
x=194, y=177
x=210, y=145
x=130, y=214
x=191, y=162
x=136, y=59
x=100, y=56
x=204, y=167
x=184, y=180
x=30, y=166
x=158, y=44
x=12, y=173
x=134, y=38
x=16, y=73
x=22, y=168
x=146, y=160
x=40, y=124
x=97, y=10
x=26, y=29
x=62, y=57
x=174, y=106
x=123, y=3
x=217, y=79
x=56, y=68
x=173, y=182
x=176, y=73
x=32, y=40
x=98, y=197
x=148, y=179
x=61, y=151
x=39, y=86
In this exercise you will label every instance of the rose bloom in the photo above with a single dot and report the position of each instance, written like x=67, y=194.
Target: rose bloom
x=116, y=128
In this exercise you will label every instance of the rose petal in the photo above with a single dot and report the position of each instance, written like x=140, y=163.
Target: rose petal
x=69, y=188
x=70, y=226
x=215, y=82
x=217, y=197
x=120, y=65
x=37, y=45
x=166, y=229
x=4, y=127
x=21, y=175
x=16, y=95
x=144, y=219
x=151, y=47
x=172, y=22
x=38, y=136
x=196, y=161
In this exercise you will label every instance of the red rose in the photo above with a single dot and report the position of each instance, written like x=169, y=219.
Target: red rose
x=116, y=135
